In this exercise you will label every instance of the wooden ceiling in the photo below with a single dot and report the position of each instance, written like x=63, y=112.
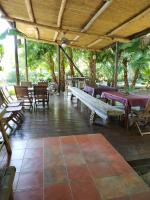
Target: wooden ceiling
x=89, y=24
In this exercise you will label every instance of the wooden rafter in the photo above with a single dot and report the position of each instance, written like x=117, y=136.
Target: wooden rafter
x=131, y=20
x=31, y=16
x=60, y=29
x=60, y=16
x=95, y=42
x=58, y=43
x=61, y=12
x=95, y=16
x=2, y=12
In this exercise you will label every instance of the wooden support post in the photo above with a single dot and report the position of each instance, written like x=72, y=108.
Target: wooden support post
x=116, y=66
x=71, y=61
x=59, y=78
x=26, y=61
x=16, y=58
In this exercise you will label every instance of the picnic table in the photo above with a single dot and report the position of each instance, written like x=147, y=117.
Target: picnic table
x=98, y=90
x=128, y=100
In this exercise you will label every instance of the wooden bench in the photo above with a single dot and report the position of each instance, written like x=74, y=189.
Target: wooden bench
x=6, y=182
x=97, y=107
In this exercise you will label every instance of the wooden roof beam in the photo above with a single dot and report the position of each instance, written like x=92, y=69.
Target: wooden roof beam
x=57, y=28
x=96, y=15
x=2, y=12
x=57, y=43
x=60, y=16
x=132, y=20
x=31, y=16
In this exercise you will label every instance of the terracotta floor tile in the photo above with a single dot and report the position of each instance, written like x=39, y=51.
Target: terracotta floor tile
x=78, y=172
x=101, y=169
x=70, y=148
x=74, y=159
x=51, y=161
x=55, y=175
x=32, y=164
x=68, y=140
x=33, y=153
x=111, y=187
x=134, y=184
x=29, y=180
x=141, y=196
x=29, y=194
x=121, y=167
x=17, y=154
x=48, y=142
x=94, y=156
x=84, y=190
x=122, y=198
x=57, y=192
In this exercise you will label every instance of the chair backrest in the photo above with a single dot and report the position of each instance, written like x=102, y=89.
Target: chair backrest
x=21, y=91
x=43, y=83
x=3, y=102
x=147, y=107
x=40, y=91
x=26, y=83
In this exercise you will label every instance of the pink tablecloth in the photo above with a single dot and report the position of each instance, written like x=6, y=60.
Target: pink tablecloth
x=128, y=100
x=98, y=90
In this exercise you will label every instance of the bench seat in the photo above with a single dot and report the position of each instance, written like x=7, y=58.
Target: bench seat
x=102, y=109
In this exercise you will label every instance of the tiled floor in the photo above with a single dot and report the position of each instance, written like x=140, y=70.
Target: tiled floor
x=84, y=167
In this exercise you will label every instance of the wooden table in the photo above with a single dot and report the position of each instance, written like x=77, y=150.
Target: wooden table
x=98, y=90
x=129, y=100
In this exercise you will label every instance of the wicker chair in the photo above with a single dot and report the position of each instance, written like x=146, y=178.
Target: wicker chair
x=142, y=120
x=23, y=94
x=41, y=95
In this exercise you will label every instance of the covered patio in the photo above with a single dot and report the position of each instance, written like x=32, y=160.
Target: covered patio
x=58, y=154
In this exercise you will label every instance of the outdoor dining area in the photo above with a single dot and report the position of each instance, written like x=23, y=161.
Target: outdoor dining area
x=75, y=107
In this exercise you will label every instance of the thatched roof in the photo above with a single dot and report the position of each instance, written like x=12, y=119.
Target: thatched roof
x=90, y=24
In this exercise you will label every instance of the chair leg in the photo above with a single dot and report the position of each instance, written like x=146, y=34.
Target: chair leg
x=139, y=129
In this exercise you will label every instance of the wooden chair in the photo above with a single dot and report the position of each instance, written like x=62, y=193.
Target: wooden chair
x=7, y=102
x=26, y=83
x=142, y=119
x=23, y=94
x=16, y=111
x=3, y=131
x=7, y=173
x=43, y=84
x=41, y=95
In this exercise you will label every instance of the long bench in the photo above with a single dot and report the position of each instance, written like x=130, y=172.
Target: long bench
x=97, y=107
